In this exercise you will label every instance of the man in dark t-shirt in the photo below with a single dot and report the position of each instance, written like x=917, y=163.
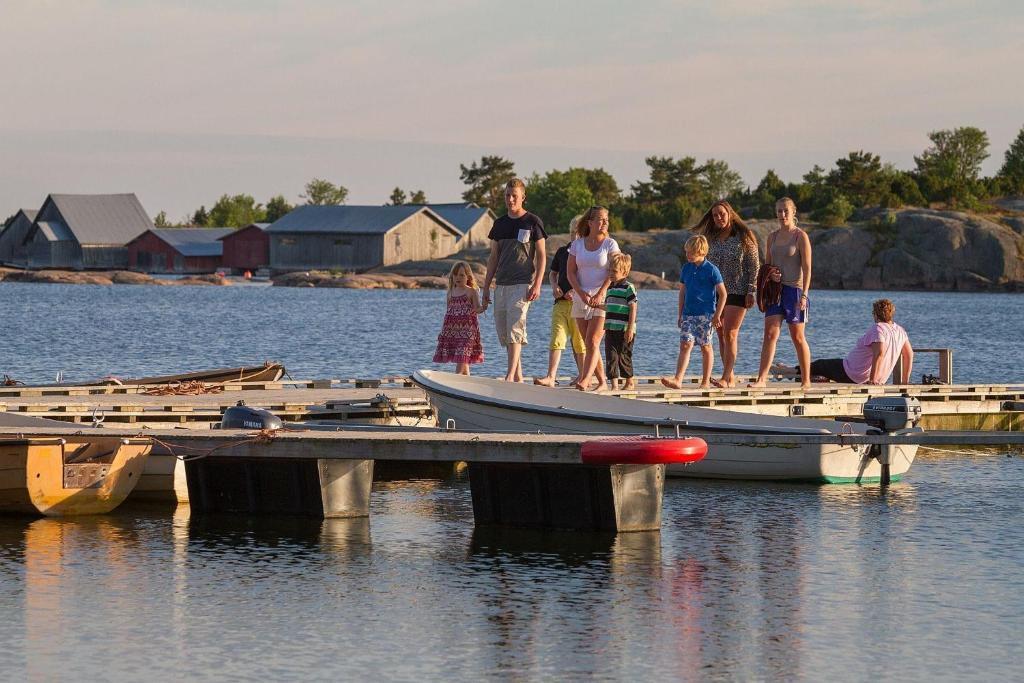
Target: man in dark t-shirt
x=516, y=265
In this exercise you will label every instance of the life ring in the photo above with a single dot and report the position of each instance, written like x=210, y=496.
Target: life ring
x=642, y=450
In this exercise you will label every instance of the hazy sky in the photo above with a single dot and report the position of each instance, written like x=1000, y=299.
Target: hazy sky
x=183, y=101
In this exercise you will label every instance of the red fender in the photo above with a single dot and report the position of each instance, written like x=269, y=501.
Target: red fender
x=642, y=450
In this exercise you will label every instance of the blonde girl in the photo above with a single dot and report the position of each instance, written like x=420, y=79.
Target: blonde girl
x=789, y=250
x=459, y=340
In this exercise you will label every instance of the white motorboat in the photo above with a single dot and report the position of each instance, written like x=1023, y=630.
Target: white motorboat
x=746, y=446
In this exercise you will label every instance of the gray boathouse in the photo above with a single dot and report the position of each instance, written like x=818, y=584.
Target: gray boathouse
x=13, y=251
x=472, y=221
x=358, y=237
x=83, y=231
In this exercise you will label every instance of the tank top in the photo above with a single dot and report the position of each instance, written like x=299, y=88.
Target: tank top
x=786, y=257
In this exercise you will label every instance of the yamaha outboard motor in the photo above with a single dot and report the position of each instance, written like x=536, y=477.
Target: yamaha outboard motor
x=241, y=416
x=891, y=415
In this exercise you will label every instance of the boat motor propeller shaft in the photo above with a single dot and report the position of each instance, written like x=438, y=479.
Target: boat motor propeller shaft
x=891, y=415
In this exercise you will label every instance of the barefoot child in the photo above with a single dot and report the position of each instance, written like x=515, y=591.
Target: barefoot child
x=620, y=322
x=702, y=298
x=459, y=341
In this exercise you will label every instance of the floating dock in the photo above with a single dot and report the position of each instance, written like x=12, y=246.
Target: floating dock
x=394, y=401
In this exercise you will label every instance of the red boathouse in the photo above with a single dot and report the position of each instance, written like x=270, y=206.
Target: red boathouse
x=247, y=248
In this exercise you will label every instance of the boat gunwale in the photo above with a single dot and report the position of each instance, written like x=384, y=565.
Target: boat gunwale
x=431, y=386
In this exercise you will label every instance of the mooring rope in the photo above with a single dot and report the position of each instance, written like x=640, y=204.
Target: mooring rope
x=193, y=388
x=262, y=436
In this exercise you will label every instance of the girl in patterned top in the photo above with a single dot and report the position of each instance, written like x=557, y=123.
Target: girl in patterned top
x=734, y=249
x=459, y=341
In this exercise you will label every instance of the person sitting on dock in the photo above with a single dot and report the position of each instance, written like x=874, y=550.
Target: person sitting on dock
x=873, y=357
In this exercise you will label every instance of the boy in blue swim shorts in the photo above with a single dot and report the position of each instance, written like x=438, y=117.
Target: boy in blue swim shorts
x=702, y=298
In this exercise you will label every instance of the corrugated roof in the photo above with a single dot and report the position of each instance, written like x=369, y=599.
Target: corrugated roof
x=354, y=220
x=462, y=216
x=194, y=241
x=258, y=226
x=103, y=218
x=55, y=231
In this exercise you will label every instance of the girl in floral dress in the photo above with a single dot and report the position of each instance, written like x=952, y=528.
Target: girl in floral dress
x=459, y=341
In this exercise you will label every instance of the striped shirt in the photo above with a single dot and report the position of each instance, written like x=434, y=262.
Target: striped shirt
x=621, y=295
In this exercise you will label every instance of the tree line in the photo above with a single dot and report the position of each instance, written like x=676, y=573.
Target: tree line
x=678, y=190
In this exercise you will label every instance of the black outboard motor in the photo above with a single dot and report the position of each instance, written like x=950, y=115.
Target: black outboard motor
x=241, y=416
x=891, y=415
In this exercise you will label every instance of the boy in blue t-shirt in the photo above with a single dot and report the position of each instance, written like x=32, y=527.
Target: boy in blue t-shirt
x=701, y=302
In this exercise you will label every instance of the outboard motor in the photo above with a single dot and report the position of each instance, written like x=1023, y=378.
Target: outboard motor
x=241, y=416
x=891, y=415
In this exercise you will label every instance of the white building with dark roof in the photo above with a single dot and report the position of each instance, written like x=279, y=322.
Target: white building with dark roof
x=82, y=231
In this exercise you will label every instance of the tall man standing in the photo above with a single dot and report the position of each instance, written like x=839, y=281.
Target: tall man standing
x=516, y=264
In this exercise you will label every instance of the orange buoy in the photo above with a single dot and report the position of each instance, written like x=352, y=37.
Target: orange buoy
x=642, y=450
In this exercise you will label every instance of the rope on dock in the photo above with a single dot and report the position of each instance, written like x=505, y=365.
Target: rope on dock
x=193, y=388
x=262, y=436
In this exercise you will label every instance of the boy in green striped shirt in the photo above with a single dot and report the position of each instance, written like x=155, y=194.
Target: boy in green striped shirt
x=620, y=322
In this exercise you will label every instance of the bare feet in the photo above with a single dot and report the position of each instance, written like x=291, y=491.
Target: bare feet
x=544, y=381
x=671, y=383
x=757, y=384
x=805, y=387
x=720, y=383
x=704, y=386
x=630, y=385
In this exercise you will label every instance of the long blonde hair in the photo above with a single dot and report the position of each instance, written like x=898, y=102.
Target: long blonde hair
x=470, y=278
x=706, y=225
x=583, y=226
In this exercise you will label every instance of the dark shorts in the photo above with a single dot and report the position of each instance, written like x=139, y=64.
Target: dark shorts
x=736, y=300
x=830, y=368
x=618, y=354
x=789, y=306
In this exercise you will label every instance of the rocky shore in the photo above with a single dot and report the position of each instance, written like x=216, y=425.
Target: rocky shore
x=906, y=249
x=105, y=277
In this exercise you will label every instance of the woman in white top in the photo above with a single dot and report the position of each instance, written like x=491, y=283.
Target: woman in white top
x=588, y=274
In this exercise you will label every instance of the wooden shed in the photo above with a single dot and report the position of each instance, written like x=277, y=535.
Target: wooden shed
x=177, y=250
x=247, y=248
x=81, y=231
x=13, y=250
x=358, y=237
x=472, y=221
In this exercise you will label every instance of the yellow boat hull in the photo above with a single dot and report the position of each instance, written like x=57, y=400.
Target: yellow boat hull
x=73, y=475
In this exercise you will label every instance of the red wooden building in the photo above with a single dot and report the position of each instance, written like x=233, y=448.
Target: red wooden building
x=177, y=250
x=247, y=248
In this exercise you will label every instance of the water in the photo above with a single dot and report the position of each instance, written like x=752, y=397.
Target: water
x=744, y=582
x=88, y=332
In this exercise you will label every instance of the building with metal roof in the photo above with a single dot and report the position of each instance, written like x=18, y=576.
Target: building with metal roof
x=178, y=250
x=472, y=221
x=358, y=237
x=85, y=231
x=13, y=251
x=247, y=249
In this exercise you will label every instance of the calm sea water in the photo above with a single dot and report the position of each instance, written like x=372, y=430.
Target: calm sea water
x=744, y=582
x=91, y=331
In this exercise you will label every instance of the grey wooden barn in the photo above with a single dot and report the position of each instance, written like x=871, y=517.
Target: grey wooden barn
x=358, y=237
x=13, y=250
x=473, y=222
x=81, y=231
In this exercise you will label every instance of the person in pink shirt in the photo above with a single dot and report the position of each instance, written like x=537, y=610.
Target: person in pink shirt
x=872, y=359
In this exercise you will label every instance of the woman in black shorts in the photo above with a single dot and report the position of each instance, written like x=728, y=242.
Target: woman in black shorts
x=733, y=247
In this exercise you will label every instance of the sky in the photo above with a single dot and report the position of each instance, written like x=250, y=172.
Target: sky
x=183, y=101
